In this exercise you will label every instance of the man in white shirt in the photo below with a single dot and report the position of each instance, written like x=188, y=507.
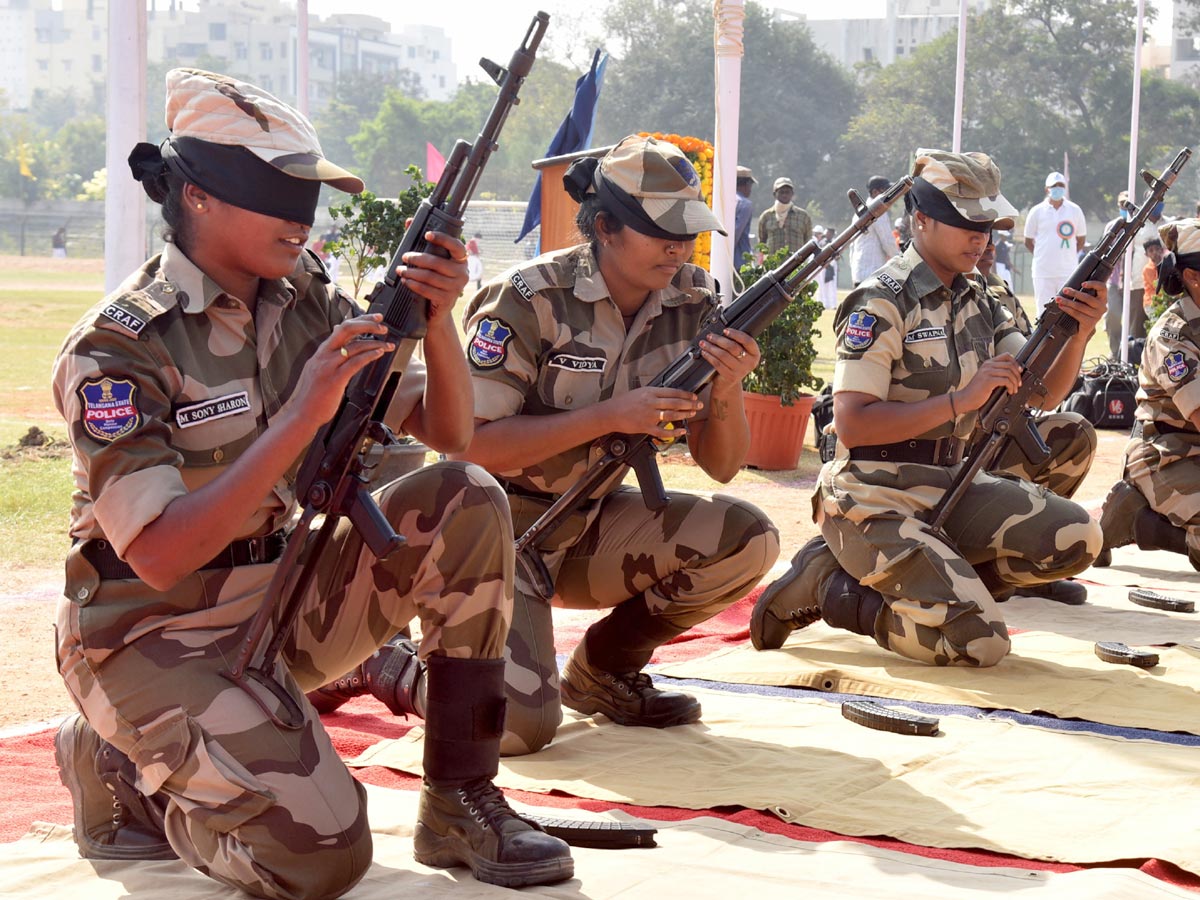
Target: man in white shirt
x=875, y=246
x=1055, y=232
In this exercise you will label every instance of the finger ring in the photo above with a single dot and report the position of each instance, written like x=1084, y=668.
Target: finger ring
x=662, y=414
x=345, y=353
x=460, y=259
x=742, y=355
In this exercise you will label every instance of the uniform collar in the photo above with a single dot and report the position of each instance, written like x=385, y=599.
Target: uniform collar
x=184, y=277
x=590, y=286
x=925, y=281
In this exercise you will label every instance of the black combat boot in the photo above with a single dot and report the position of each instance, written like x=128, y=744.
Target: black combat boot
x=394, y=675
x=1067, y=591
x=1121, y=509
x=848, y=605
x=790, y=602
x=604, y=674
x=1154, y=531
x=462, y=818
x=113, y=820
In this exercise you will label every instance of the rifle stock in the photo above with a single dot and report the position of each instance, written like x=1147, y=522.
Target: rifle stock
x=1003, y=414
x=751, y=312
x=331, y=479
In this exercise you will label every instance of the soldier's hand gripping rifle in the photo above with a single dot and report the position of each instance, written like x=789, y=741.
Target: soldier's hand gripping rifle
x=1002, y=416
x=753, y=310
x=331, y=479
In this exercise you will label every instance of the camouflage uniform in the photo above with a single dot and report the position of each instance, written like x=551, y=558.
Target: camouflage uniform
x=904, y=336
x=544, y=338
x=1163, y=465
x=162, y=385
x=1070, y=437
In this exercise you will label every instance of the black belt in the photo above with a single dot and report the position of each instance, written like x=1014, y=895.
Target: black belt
x=242, y=552
x=1140, y=426
x=514, y=488
x=946, y=451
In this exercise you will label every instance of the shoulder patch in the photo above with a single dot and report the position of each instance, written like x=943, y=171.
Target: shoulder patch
x=860, y=330
x=889, y=282
x=489, y=346
x=1177, y=365
x=109, y=408
x=126, y=318
x=132, y=311
x=523, y=288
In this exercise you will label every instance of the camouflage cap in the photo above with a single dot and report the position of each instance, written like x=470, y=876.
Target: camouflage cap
x=1181, y=237
x=660, y=178
x=224, y=110
x=970, y=182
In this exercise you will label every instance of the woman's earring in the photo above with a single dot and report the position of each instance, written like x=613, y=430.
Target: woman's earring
x=199, y=206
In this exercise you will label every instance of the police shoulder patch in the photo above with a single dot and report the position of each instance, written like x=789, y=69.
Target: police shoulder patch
x=109, y=408
x=890, y=283
x=489, y=346
x=1178, y=366
x=860, y=330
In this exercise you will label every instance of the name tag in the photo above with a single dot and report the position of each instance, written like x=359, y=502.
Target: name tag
x=918, y=335
x=209, y=410
x=577, y=363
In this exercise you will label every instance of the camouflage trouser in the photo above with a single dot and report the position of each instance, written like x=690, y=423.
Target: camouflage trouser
x=938, y=610
x=689, y=561
x=1169, y=482
x=272, y=811
x=1072, y=442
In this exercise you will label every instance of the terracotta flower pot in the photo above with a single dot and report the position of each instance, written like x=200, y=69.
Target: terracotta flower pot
x=776, y=431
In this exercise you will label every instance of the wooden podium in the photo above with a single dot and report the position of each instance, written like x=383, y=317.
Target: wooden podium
x=558, y=209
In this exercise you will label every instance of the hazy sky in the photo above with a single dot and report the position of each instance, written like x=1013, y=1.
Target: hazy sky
x=493, y=27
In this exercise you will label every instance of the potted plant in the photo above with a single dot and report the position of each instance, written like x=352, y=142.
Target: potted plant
x=777, y=409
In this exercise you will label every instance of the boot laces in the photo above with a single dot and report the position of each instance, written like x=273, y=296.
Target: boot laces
x=804, y=616
x=486, y=803
x=635, y=684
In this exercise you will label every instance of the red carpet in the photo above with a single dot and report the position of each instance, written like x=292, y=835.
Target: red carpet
x=35, y=793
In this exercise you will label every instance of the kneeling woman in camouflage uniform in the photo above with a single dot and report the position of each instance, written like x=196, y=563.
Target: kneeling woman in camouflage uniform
x=560, y=349
x=1157, y=503
x=191, y=394
x=920, y=349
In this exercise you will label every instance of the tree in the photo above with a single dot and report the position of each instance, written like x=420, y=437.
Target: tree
x=795, y=100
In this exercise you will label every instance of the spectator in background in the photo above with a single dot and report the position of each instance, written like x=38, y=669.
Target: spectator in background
x=784, y=225
x=1055, y=232
x=827, y=280
x=1003, y=263
x=475, y=261
x=1154, y=254
x=877, y=245
x=58, y=244
x=742, y=216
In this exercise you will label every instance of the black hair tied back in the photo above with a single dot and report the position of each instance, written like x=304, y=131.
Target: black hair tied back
x=579, y=178
x=148, y=167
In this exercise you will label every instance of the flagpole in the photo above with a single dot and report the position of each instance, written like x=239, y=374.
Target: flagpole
x=728, y=16
x=1134, y=116
x=302, y=56
x=960, y=70
x=124, y=200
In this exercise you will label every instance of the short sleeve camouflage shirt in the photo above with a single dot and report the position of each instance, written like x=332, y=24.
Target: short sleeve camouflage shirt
x=1168, y=387
x=169, y=379
x=546, y=337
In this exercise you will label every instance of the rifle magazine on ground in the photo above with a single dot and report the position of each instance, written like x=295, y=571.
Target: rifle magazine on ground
x=1116, y=652
x=884, y=718
x=1155, y=600
x=600, y=835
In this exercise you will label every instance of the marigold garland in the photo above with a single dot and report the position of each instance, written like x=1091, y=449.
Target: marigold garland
x=700, y=153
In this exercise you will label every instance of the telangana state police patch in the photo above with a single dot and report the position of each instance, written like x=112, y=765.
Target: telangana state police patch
x=1177, y=366
x=490, y=344
x=860, y=331
x=109, y=408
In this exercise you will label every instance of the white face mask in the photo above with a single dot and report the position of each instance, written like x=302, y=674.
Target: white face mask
x=1058, y=193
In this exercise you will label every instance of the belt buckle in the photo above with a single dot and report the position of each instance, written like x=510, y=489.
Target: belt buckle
x=256, y=547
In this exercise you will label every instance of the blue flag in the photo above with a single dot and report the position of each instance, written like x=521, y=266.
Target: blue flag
x=574, y=134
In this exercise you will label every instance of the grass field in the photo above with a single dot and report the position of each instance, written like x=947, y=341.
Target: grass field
x=39, y=305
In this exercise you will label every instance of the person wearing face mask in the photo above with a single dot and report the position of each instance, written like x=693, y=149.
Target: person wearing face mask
x=784, y=224
x=1156, y=504
x=1055, y=232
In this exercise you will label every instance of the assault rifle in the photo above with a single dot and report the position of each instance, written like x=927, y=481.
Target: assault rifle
x=1002, y=416
x=331, y=480
x=753, y=310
